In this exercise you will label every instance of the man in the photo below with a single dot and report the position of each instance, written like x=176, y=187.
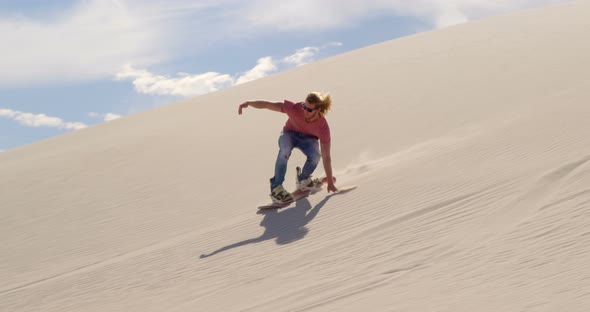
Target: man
x=305, y=127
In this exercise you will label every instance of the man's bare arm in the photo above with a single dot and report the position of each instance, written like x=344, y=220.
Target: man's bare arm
x=327, y=161
x=260, y=104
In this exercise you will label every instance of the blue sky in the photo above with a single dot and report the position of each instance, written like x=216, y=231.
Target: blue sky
x=70, y=64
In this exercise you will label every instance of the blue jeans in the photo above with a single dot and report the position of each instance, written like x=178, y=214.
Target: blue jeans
x=289, y=140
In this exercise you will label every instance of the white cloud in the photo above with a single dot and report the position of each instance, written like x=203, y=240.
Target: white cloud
x=91, y=40
x=104, y=117
x=94, y=39
x=328, y=14
x=111, y=116
x=301, y=56
x=306, y=55
x=184, y=85
x=190, y=85
x=40, y=120
x=263, y=68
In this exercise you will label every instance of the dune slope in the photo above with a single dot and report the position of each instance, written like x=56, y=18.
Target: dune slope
x=469, y=145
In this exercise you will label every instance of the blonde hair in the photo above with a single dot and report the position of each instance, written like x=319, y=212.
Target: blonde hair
x=322, y=101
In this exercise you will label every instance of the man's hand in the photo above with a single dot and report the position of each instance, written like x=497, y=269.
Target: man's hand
x=332, y=187
x=242, y=106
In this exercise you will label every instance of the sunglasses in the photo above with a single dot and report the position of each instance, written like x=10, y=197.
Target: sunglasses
x=309, y=110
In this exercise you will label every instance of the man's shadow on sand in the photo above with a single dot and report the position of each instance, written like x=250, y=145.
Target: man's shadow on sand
x=285, y=225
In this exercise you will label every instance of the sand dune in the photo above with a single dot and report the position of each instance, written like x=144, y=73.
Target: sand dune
x=469, y=145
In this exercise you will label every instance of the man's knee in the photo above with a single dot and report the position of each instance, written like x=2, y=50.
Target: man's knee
x=315, y=157
x=284, y=154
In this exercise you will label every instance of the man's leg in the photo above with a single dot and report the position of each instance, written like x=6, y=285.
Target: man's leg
x=311, y=148
x=285, y=148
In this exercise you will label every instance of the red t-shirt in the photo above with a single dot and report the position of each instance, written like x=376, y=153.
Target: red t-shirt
x=296, y=122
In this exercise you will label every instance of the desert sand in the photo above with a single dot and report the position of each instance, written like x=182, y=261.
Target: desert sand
x=470, y=146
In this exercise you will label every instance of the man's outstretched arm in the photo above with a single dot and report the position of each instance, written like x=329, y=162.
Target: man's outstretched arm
x=260, y=104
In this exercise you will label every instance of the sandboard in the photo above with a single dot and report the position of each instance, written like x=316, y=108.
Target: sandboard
x=297, y=195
